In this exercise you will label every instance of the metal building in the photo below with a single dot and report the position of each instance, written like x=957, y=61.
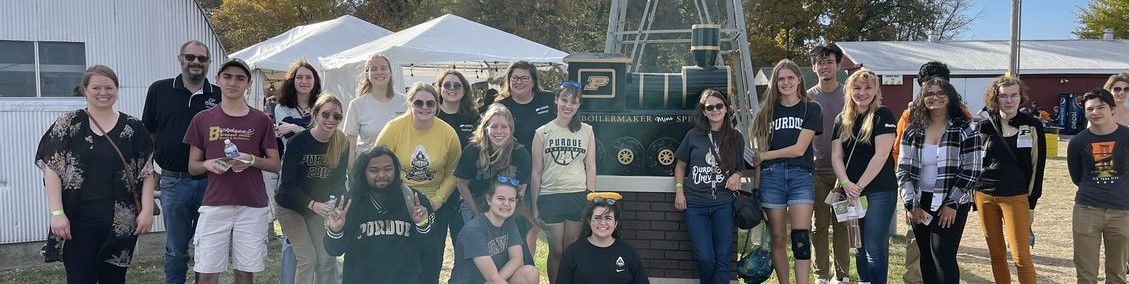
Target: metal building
x=44, y=47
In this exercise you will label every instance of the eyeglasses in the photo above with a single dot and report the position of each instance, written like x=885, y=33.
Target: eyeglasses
x=709, y=107
x=607, y=201
x=452, y=85
x=193, y=57
x=1119, y=89
x=573, y=84
x=421, y=103
x=336, y=116
x=509, y=180
x=937, y=95
x=519, y=78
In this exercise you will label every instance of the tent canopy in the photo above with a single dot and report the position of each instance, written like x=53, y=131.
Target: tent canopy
x=444, y=41
x=310, y=41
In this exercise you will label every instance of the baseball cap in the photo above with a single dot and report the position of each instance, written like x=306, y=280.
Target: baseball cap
x=235, y=62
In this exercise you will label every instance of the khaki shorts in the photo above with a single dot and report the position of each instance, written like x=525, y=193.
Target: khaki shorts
x=239, y=231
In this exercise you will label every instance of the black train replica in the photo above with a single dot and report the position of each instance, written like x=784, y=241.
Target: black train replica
x=640, y=118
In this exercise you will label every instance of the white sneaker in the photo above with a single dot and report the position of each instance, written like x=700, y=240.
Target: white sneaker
x=822, y=281
x=845, y=280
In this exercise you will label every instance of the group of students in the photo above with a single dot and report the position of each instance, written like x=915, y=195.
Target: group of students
x=380, y=182
x=939, y=160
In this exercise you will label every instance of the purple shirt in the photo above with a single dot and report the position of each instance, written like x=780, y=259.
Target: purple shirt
x=252, y=133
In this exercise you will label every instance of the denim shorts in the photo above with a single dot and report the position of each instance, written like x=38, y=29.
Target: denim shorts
x=783, y=185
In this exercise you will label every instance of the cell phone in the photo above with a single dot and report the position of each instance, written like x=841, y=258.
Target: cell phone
x=928, y=219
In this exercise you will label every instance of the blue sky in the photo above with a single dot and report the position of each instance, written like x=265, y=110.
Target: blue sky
x=1042, y=19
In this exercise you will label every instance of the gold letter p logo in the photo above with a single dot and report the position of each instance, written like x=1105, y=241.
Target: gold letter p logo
x=595, y=82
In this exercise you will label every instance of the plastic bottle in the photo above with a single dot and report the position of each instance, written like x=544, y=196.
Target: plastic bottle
x=229, y=149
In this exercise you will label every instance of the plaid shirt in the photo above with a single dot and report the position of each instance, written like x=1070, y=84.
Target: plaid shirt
x=960, y=158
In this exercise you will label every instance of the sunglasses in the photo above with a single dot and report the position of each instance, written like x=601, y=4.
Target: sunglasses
x=509, y=180
x=421, y=103
x=1119, y=89
x=713, y=107
x=607, y=201
x=573, y=84
x=452, y=85
x=336, y=116
x=193, y=57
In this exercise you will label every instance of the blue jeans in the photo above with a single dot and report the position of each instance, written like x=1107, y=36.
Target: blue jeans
x=873, y=257
x=711, y=234
x=180, y=200
x=288, y=264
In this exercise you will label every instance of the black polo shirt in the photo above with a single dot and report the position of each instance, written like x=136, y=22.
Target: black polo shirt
x=169, y=107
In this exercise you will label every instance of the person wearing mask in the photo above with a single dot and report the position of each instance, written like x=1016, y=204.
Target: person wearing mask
x=600, y=256
x=829, y=94
x=862, y=137
x=1012, y=180
x=707, y=171
x=1097, y=159
x=523, y=96
x=564, y=171
x=490, y=250
x=457, y=108
x=98, y=171
x=428, y=149
x=382, y=218
x=492, y=151
x=313, y=179
x=376, y=104
x=783, y=129
x=940, y=163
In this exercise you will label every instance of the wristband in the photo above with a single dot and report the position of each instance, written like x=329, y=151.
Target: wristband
x=57, y=212
x=678, y=185
x=843, y=183
x=423, y=223
x=253, y=160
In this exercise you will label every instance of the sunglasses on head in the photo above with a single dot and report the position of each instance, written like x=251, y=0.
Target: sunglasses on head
x=452, y=85
x=709, y=107
x=509, y=180
x=573, y=84
x=607, y=201
x=335, y=116
x=421, y=103
x=193, y=57
x=1119, y=89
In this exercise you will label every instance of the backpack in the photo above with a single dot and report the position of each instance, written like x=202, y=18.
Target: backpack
x=755, y=266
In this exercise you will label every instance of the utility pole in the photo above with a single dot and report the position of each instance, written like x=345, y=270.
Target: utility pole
x=1016, y=18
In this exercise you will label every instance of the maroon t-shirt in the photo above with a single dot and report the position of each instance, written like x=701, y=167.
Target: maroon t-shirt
x=253, y=134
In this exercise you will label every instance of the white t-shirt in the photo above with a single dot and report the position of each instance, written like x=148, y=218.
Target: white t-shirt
x=366, y=117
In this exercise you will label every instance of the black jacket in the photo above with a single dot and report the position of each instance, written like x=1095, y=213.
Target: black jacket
x=1002, y=176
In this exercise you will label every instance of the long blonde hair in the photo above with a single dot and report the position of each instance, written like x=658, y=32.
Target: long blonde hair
x=491, y=160
x=761, y=128
x=338, y=144
x=365, y=86
x=850, y=110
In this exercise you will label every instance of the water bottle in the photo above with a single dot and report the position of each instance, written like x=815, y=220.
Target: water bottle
x=229, y=149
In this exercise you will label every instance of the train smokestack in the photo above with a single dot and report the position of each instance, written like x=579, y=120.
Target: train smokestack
x=705, y=44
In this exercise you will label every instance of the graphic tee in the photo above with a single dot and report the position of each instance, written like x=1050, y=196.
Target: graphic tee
x=253, y=134
x=427, y=159
x=562, y=168
x=705, y=179
x=787, y=122
x=481, y=238
x=1098, y=165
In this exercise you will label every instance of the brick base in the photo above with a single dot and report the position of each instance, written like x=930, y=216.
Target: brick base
x=652, y=226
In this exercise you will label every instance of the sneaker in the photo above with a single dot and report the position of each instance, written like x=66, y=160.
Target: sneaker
x=822, y=281
x=845, y=280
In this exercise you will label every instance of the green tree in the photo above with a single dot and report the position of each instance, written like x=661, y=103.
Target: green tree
x=242, y=23
x=1102, y=14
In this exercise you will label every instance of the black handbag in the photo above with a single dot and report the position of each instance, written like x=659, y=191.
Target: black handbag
x=52, y=250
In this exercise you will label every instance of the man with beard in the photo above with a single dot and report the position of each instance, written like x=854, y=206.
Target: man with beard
x=169, y=106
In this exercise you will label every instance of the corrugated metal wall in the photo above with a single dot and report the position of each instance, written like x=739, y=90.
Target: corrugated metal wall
x=139, y=39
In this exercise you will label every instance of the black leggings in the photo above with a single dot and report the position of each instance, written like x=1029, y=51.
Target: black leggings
x=939, y=248
x=80, y=257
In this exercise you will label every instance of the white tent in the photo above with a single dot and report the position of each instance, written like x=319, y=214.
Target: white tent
x=439, y=43
x=273, y=56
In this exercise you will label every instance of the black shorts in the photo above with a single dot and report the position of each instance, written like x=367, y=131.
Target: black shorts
x=557, y=208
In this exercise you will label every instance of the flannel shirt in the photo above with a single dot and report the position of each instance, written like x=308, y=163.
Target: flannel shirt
x=960, y=158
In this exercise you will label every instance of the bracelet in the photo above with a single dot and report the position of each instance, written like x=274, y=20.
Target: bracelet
x=57, y=212
x=678, y=185
x=253, y=157
x=843, y=183
x=760, y=157
x=423, y=223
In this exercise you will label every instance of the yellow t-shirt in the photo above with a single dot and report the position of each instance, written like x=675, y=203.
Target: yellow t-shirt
x=427, y=159
x=563, y=153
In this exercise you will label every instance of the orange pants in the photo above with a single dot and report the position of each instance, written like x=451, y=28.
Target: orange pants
x=1010, y=213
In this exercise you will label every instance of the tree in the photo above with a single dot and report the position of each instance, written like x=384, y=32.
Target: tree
x=242, y=23
x=1102, y=14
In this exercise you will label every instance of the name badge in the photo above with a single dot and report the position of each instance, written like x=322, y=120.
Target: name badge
x=1025, y=137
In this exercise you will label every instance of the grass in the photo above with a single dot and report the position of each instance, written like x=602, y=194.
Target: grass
x=1052, y=254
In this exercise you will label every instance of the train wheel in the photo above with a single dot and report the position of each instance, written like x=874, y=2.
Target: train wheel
x=663, y=161
x=627, y=151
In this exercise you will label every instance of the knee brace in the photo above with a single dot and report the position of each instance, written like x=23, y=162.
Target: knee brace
x=801, y=244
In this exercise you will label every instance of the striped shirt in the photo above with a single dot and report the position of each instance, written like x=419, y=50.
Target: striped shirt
x=960, y=157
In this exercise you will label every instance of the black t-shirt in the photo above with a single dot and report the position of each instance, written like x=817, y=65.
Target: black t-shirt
x=96, y=198
x=520, y=162
x=704, y=183
x=463, y=124
x=306, y=175
x=787, y=122
x=883, y=123
x=584, y=262
x=169, y=107
x=528, y=117
x=481, y=238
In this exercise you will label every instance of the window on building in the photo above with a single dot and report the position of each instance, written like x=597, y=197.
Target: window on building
x=40, y=69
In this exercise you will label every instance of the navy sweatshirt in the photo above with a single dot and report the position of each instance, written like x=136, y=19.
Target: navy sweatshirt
x=305, y=176
x=381, y=240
